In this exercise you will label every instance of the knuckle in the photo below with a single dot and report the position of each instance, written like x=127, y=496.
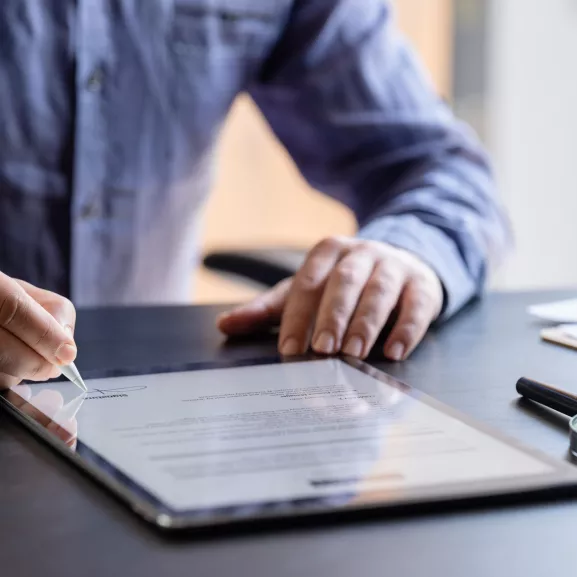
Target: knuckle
x=307, y=282
x=382, y=284
x=68, y=305
x=6, y=362
x=338, y=309
x=45, y=334
x=336, y=319
x=365, y=245
x=363, y=325
x=35, y=371
x=40, y=371
x=12, y=306
x=421, y=302
x=65, y=304
x=346, y=275
x=421, y=280
x=330, y=244
x=408, y=331
x=62, y=308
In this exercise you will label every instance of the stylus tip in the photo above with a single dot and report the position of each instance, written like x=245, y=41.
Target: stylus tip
x=79, y=382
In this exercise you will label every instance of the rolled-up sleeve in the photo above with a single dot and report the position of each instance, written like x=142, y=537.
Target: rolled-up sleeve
x=347, y=97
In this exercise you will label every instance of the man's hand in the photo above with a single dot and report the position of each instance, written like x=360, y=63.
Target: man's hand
x=36, y=332
x=342, y=297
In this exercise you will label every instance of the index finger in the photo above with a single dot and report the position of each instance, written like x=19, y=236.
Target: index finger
x=27, y=320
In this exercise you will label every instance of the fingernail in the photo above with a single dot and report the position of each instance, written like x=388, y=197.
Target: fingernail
x=66, y=353
x=290, y=347
x=325, y=343
x=354, y=347
x=396, y=351
x=69, y=330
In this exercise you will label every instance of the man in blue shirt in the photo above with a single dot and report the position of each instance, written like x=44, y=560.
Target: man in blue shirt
x=109, y=111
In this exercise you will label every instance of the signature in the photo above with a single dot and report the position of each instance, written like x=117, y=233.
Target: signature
x=118, y=390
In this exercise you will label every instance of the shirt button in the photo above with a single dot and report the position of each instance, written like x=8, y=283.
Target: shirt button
x=89, y=211
x=95, y=80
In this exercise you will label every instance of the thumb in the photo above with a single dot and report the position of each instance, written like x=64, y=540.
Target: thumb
x=262, y=312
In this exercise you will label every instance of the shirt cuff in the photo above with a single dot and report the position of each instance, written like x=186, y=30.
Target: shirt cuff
x=434, y=248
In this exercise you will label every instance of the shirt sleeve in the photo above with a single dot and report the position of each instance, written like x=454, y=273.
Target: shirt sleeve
x=348, y=99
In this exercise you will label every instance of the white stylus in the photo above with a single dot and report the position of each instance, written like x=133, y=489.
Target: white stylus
x=71, y=372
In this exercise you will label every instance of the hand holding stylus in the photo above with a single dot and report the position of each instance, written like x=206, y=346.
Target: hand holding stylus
x=36, y=332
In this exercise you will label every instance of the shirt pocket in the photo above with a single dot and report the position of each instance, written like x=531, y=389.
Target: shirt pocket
x=217, y=48
x=224, y=29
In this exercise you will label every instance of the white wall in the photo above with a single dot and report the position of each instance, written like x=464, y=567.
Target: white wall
x=531, y=115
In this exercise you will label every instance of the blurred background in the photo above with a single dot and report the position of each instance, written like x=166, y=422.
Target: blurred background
x=507, y=68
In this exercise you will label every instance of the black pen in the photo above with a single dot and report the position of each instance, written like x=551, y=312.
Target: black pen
x=549, y=396
x=555, y=399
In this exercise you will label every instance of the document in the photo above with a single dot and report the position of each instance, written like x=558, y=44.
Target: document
x=557, y=312
x=268, y=433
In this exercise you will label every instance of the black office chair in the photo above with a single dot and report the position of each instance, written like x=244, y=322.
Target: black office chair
x=261, y=267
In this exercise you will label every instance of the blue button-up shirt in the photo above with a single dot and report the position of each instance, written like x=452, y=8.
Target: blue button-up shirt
x=109, y=112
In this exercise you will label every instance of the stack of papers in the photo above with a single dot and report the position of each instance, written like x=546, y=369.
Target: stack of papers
x=563, y=312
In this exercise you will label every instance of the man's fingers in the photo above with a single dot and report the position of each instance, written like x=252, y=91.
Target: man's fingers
x=63, y=312
x=347, y=290
x=339, y=300
x=305, y=295
x=22, y=316
x=378, y=300
x=417, y=311
x=59, y=307
x=264, y=311
x=20, y=361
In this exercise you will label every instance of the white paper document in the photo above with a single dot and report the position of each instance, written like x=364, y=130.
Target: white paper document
x=264, y=433
x=556, y=312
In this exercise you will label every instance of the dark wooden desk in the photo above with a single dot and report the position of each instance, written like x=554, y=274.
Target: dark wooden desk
x=55, y=522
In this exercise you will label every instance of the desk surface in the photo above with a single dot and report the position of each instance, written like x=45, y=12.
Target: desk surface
x=56, y=522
